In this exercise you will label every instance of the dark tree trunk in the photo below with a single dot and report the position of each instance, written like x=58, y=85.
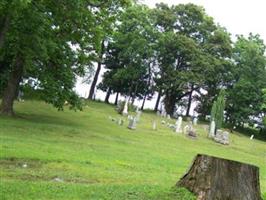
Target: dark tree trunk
x=108, y=93
x=11, y=90
x=157, y=101
x=143, y=102
x=212, y=178
x=96, y=76
x=4, y=30
x=189, y=101
x=169, y=103
x=116, y=98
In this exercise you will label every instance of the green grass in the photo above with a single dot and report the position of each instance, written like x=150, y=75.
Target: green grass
x=94, y=158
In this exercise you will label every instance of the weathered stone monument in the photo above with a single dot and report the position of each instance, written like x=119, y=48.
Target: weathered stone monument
x=212, y=178
x=178, y=124
x=132, y=123
x=138, y=115
x=125, y=110
x=195, y=121
x=154, y=125
x=212, y=129
x=222, y=137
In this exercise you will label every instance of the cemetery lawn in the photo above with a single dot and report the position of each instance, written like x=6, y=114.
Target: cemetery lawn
x=46, y=154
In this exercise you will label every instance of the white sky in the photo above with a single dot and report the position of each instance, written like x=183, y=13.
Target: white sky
x=237, y=16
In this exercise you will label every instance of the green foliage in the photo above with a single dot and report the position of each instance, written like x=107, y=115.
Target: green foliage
x=192, y=50
x=245, y=97
x=130, y=54
x=97, y=159
x=217, y=112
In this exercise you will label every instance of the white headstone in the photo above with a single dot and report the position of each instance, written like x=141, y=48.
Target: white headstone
x=212, y=129
x=251, y=137
x=168, y=116
x=132, y=123
x=178, y=125
x=125, y=110
x=138, y=116
x=154, y=125
x=195, y=121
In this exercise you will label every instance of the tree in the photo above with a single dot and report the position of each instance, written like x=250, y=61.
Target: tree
x=190, y=46
x=105, y=24
x=129, y=56
x=217, y=112
x=37, y=40
x=245, y=97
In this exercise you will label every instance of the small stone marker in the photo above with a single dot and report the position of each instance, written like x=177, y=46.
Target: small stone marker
x=154, y=125
x=120, y=122
x=251, y=137
x=222, y=137
x=168, y=116
x=125, y=110
x=138, y=116
x=132, y=123
x=195, y=121
x=178, y=125
x=212, y=130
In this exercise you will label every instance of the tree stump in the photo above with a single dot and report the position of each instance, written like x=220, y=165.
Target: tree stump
x=212, y=178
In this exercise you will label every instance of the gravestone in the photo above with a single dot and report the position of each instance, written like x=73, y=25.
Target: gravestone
x=251, y=137
x=212, y=129
x=120, y=122
x=222, y=137
x=154, y=125
x=125, y=110
x=178, y=125
x=138, y=116
x=168, y=116
x=195, y=121
x=132, y=123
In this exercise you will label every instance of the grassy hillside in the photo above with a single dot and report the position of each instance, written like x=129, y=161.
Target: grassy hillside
x=46, y=154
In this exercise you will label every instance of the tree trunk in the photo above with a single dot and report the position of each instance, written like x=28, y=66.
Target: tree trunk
x=108, y=93
x=143, y=102
x=11, y=90
x=169, y=103
x=4, y=30
x=157, y=101
x=116, y=98
x=96, y=76
x=212, y=178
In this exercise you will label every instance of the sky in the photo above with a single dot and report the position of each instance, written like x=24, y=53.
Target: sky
x=239, y=17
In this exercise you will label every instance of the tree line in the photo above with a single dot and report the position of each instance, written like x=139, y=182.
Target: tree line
x=178, y=52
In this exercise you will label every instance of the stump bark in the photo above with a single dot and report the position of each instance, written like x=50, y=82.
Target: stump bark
x=212, y=178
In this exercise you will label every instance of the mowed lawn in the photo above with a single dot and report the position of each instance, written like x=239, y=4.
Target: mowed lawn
x=46, y=154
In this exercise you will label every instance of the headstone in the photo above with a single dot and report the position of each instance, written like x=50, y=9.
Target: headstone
x=212, y=129
x=168, y=116
x=222, y=137
x=178, y=125
x=120, y=122
x=138, y=116
x=251, y=137
x=195, y=121
x=132, y=123
x=154, y=125
x=125, y=110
